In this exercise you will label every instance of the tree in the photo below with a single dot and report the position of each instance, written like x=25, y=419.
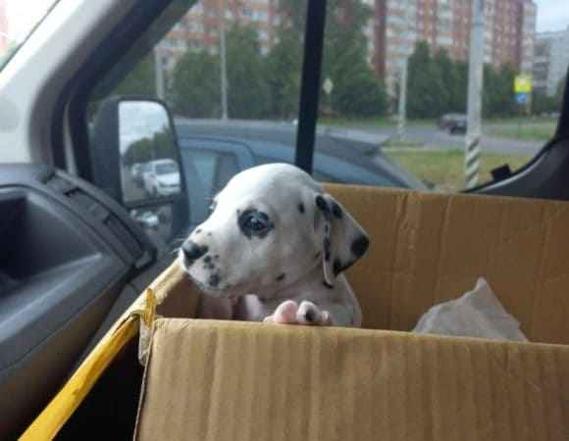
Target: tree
x=283, y=73
x=248, y=89
x=459, y=87
x=498, y=94
x=357, y=90
x=141, y=80
x=195, y=85
x=427, y=96
x=541, y=103
x=443, y=69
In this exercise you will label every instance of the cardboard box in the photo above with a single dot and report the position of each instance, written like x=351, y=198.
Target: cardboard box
x=248, y=381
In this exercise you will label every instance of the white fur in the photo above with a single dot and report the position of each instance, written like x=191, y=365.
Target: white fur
x=249, y=268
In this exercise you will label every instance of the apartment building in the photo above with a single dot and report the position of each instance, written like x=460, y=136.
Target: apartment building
x=509, y=33
x=551, y=61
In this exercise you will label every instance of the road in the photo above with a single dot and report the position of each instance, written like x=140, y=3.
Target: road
x=434, y=138
x=327, y=136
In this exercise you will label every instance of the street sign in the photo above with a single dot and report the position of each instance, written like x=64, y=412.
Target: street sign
x=522, y=84
x=522, y=98
x=328, y=86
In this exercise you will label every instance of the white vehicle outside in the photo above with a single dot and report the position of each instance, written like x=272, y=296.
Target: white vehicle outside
x=147, y=219
x=162, y=178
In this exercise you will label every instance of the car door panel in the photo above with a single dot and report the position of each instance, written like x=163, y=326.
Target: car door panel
x=66, y=251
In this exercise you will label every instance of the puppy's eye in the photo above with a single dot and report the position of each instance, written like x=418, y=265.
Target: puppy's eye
x=254, y=223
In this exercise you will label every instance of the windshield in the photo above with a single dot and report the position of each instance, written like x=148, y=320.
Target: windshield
x=164, y=169
x=18, y=19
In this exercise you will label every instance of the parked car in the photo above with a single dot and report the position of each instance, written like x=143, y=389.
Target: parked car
x=454, y=123
x=162, y=178
x=147, y=219
x=210, y=162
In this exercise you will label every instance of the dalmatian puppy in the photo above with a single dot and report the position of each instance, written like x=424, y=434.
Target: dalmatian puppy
x=273, y=249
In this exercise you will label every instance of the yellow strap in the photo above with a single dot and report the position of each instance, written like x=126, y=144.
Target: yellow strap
x=59, y=410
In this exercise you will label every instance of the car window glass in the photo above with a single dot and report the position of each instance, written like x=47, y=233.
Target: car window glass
x=228, y=166
x=395, y=78
x=200, y=169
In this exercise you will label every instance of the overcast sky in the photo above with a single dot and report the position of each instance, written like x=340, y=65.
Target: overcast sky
x=552, y=15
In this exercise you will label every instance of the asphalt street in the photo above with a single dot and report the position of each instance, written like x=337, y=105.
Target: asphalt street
x=285, y=132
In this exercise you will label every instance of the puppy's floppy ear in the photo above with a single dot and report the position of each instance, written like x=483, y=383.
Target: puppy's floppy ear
x=344, y=240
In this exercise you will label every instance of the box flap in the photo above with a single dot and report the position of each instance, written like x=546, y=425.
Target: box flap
x=427, y=248
x=210, y=380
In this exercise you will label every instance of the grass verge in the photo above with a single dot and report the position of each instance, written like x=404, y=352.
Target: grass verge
x=444, y=168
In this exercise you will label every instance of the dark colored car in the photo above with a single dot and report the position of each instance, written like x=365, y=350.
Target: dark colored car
x=210, y=162
x=454, y=123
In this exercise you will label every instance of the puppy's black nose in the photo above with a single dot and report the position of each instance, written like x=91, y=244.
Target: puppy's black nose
x=192, y=251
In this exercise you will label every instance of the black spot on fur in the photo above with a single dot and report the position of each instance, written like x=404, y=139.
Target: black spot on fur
x=326, y=284
x=214, y=280
x=309, y=316
x=338, y=267
x=280, y=277
x=207, y=259
x=301, y=207
x=216, y=257
x=336, y=210
x=209, y=234
x=360, y=246
x=321, y=203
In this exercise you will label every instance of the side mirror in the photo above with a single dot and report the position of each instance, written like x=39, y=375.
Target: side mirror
x=136, y=160
x=136, y=156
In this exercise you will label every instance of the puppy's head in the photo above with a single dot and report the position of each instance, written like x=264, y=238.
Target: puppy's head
x=269, y=226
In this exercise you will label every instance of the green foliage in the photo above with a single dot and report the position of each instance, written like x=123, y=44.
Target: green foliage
x=427, y=96
x=357, y=91
x=160, y=146
x=195, y=85
x=283, y=74
x=438, y=85
x=542, y=103
x=248, y=90
x=141, y=80
x=498, y=94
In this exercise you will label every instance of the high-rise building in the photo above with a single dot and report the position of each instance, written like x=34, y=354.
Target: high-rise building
x=551, y=61
x=509, y=32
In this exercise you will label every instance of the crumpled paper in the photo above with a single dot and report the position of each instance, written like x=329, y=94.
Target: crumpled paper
x=478, y=313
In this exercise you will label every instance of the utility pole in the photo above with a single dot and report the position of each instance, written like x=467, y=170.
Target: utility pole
x=222, y=59
x=402, y=103
x=474, y=107
x=159, y=74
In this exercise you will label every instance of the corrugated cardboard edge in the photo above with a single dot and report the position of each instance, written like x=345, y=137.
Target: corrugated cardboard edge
x=304, y=333
x=144, y=379
x=54, y=416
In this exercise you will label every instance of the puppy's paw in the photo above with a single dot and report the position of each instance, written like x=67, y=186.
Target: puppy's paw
x=284, y=314
x=307, y=313
x=310, y=314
